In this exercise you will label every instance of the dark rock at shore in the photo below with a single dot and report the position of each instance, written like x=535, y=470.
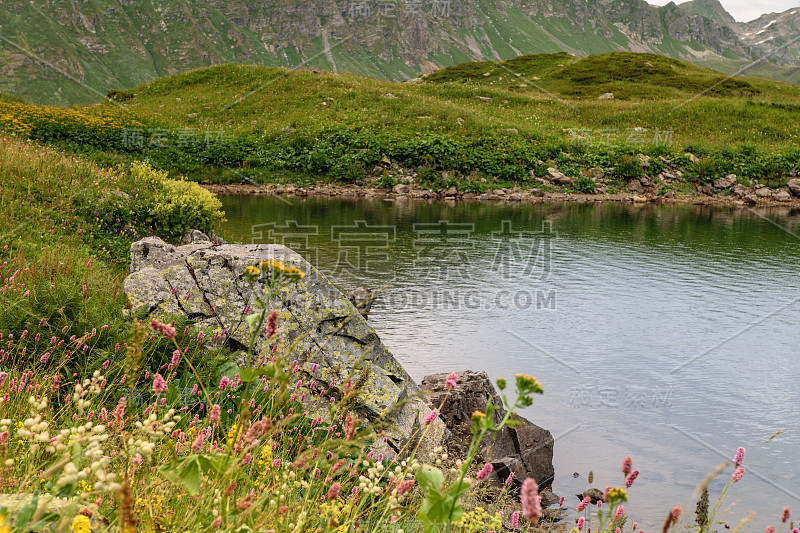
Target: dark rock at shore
x=362, y=299
x=548, y=498
x=526, y=450
x=595, y=495
x=552, y=515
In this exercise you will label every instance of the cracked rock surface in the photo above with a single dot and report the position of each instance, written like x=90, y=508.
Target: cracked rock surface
x=205, y=282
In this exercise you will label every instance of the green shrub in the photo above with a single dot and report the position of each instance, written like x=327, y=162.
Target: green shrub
x=628, y=168
x=708, y=168
x=584, y=185
x=174, y=206
x=386, y=181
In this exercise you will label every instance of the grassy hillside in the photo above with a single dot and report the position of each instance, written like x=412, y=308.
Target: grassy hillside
x=499, y=120
x=4, y=97
x=537, y=95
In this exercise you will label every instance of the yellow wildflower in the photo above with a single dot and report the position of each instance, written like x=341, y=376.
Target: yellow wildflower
x=279, y=267
x=528, y=384
x=81, y=524
x=251, y=271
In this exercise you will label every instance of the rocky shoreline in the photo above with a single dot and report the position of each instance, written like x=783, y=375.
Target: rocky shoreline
x=734, y=195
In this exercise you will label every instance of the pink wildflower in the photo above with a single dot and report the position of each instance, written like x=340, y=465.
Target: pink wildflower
x=272, y=323
x=176, y=356
x=333, y=492
x=739, y=458
x=159, y=385
x=485, y=471
x=515, y=519
x=627, y=466
x=785, y=515
x=531, y=501
x=631, y=478
x=635, y=526
x=619, y=512
x=165, y=329
x=581, y=521
x=214, y=416
x=197, y=445
x=737, y=475
x=350, y=426
x=770, y=529
x=584, y=503
x=561, y=501
x=405, y=486
x=430, y=417
x=452, y=381
x=510, y=478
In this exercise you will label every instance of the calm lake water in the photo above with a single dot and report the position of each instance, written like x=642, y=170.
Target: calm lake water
x=667, y=333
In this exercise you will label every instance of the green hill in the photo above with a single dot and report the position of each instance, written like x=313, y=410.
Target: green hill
x=540, y=95
x=503, y=120
x=626, y=75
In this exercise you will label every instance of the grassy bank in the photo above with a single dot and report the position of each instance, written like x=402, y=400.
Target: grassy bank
x=107, y=424
x=483, y=123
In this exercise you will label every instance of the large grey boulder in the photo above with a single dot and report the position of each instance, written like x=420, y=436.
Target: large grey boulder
x=329, y=338
x=559, y=178
x=724, y=183
x=794, y=186
x=526, y=450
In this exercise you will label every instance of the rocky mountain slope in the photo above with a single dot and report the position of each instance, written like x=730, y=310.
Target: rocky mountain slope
x=69, y=52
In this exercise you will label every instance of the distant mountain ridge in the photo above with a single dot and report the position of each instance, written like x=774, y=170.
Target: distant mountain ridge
x=68, y=52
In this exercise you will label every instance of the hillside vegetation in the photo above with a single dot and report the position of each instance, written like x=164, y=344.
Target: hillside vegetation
x=503, y=121
x=73, y=52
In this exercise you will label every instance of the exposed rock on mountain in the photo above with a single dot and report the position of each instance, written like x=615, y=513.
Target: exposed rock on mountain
x=76, y=52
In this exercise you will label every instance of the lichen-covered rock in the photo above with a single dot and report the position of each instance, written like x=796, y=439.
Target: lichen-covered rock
x=205, y=282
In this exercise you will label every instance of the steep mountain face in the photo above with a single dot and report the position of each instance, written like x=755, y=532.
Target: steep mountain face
x=711, y=9
x=75, y=51
x=773, y=36
x=776, y=36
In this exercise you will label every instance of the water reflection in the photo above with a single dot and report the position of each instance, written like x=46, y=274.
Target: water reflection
x=667, y=333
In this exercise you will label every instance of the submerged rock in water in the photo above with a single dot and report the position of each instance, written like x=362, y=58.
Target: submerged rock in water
x=362, y=299
x=526, y=450
x=328, y=336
